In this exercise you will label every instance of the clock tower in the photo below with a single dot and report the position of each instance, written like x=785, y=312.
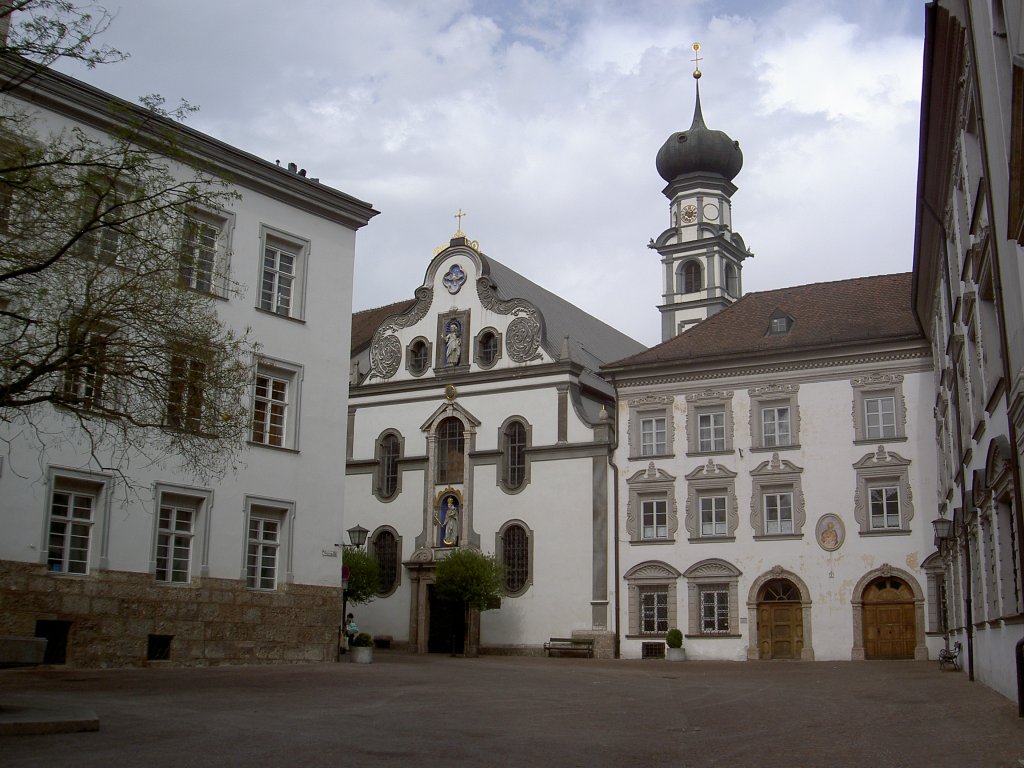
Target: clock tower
x=701, y=256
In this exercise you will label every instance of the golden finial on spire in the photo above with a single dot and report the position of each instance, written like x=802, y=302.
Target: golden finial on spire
x=696, y=60
x=459, y=215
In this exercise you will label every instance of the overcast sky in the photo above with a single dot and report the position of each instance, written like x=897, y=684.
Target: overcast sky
x=542, y=118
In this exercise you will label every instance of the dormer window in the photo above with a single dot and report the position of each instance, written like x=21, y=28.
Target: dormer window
x=779, y=324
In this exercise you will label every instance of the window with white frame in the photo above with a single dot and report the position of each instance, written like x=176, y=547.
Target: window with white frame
x=883, y=501
x=282, y=274
x=186, y=384
x=263, y=547
x=85, y=375
x=777, y=500
x=652, y=435
x=713, y=596
x=73, y=506
x=714, y=609
x=774, y=417
x=879, y=411
x=709, y=422
x=653, y=610
x=650, y=430
x=712, y=516
x=651, y=597
x=651, y=512
x=202, y=263
x=175, y=533
x=711, y=503
x=654, y=519
x=110, y=218
x=778, y=512
x=275, y=404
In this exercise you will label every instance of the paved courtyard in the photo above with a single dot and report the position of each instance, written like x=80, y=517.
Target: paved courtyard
x=406, y=710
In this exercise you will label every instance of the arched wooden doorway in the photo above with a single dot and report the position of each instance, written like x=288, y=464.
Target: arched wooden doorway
x=890, y=626
x=780, y=627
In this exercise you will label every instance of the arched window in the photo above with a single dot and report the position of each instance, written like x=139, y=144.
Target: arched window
x=390, y=449
x=732, y=280
x=450, y=448
x=515, y=554
x=385, y=549
x=487, y=348
x=692, y=277
x=515, y=454
x=419, y=355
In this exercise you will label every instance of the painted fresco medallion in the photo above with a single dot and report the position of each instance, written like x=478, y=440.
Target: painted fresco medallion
x=830, y=532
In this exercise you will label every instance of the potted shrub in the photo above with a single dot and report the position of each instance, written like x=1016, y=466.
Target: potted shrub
x=674, y=641
x=362, y=648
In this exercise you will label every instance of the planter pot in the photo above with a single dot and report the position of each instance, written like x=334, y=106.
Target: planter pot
x=675, y=654
x=361, y=654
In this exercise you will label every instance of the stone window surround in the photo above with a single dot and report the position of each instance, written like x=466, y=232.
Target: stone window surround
x=650, y=406
x=499, y=552
x=878, y=385
x=874, y=469
x=292, y=375
x=285, y=573
x=776, y=476
x=499, y=347
x=774, y=395
x=501, y=473
x=203, y=498
x=398, y=551
x=378, y=474
x=708, y=401
x=712, y=572
x=711, y=479
x=408, y=355
x=650, y=574
x=647, y=484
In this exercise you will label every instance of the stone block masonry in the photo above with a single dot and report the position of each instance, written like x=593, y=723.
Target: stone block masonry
x=110, y=617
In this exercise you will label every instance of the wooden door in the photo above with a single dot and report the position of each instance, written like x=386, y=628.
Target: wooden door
x=890, y=628
x=780, y=630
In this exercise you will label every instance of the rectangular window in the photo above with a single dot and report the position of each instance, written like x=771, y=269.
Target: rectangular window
x=775, y=421
x=885, y=507
x=655, y=522
x=71, y=518
x=174, y=540
x=653, y=610
x=270, y=408
x=711, y=427
x=714, y=610
x=185, y=382
x=778, y=513
x=278, y=277
x=712, y=516
x=86, y=371
x=198, y=265
x=880, y=417
x=652, y=436
x=263, y=548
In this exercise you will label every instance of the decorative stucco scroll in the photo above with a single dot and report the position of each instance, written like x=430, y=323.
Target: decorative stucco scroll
x=523, y=337
x=386, y=349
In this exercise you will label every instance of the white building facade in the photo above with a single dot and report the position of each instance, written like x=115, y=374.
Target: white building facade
x=117, y=561
x=477, y=421
x=969, y=296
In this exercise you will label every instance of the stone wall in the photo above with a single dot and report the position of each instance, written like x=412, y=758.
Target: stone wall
x=111, y=615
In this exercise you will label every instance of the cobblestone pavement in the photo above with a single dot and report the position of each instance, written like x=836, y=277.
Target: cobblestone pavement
x=406, y=710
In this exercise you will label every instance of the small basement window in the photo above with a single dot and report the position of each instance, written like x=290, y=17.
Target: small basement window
x=159, y=648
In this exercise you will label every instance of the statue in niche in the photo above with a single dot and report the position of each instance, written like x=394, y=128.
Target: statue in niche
x=452, y=342
x=448, y=522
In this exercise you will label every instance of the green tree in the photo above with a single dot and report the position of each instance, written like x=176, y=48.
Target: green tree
x=470, y=577
x=109, y=331
x=363, y=576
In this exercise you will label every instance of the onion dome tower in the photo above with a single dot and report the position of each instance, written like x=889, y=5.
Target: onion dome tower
x=702, y=257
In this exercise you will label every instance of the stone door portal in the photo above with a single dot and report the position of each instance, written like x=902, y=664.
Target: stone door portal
x=890, y=629
x=780, y=630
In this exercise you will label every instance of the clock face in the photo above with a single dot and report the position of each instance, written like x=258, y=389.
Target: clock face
x=689, y=214
x=710, y=211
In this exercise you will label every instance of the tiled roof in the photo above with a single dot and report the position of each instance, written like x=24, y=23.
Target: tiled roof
x=367, y=321
x=824, y=315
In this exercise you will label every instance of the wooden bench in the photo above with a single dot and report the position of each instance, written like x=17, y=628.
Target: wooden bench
x=570, y=645
x=947, y=656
